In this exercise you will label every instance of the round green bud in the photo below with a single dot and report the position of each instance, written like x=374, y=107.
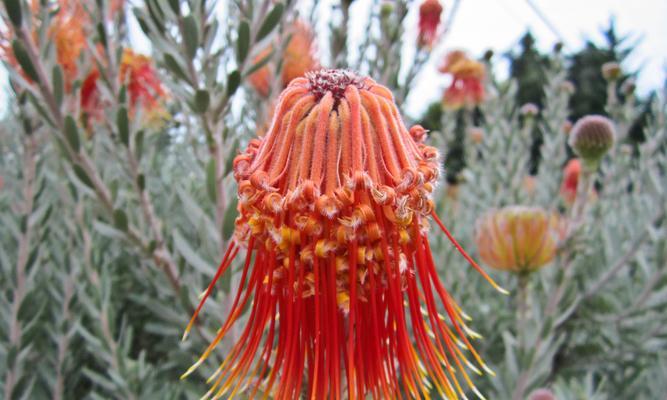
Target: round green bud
x=591, y=138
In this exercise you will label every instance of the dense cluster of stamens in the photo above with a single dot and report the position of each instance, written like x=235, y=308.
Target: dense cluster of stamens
x=333, y=204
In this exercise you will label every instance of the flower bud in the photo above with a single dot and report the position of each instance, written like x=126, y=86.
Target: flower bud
x=529, y=110
x=518, y=239
x=591, y=138
x=476, y=134
x=628, y=87
x=386, y=8
x=611, y=71
x=567, y=87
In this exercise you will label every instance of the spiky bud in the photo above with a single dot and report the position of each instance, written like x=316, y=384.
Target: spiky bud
x=529, y=110
x=591, y=138
x=611, y=71
x=558, y=47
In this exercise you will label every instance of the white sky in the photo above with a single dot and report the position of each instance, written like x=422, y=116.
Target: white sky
x=498, y=25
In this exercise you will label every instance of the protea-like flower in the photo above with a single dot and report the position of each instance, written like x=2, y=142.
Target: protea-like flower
x=144, y=88
x=429, y=20
x=518, y=239
x=467, y=86
x=297, y=59
x=341, y=286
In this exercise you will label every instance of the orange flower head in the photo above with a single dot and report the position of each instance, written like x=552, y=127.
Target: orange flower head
x=262, y=78
x=429, y=20
x=518, y=239
x=467, y=86
x=298, y=58
x=568, y=189
x=90, y=102
x=68, y=32
x=144, y=89
x=143, y=84
x=335, y=203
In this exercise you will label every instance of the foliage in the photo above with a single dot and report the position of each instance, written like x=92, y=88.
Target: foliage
x=111, y=227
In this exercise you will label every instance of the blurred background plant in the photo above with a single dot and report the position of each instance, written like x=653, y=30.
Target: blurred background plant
x=116, y=200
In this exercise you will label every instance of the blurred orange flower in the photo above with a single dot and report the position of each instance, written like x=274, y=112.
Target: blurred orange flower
x=298, y=58
x=467, y=86
x=429, y=20
x=68, y=29
x=518, y=239
x=144, y=88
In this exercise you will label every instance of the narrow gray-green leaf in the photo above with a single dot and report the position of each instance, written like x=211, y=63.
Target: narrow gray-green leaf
x=172, y=65
x=141, y=182
x=123, y=122
x=57, y=82
x=72, y=133
x=21, y=55
x=229, y=219
x=175, y=6
x=40, y=109
x=83, y=177
x=243, y=41
x=211, y=186
x=14, y=11
x=202, y=100
x=270, y=22
x=120, y=219
x=190, y=35
x=233, y=82
x=101, y=34
x=191, y=256
x=122, y=94
x=139, y=144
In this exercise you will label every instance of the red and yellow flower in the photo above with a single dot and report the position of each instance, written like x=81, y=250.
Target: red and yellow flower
x=467, y=86
x=335, y=203
x=144, y=88
x=68, y=29
x=518, y=239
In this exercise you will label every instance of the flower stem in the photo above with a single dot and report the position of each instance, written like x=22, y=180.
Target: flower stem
x=522, y=309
